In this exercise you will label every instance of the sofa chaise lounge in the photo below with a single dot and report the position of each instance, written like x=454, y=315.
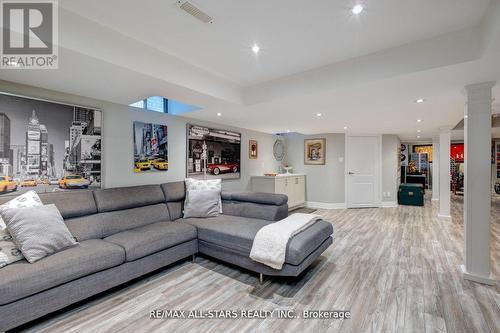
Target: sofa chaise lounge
x=127, y=232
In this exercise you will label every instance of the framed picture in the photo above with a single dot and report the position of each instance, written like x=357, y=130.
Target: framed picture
x=314, y=151
x=404, y=154
x=253, y=149
x=48, y=146
x=150, y=147
x=423, y=149
x=212, y=153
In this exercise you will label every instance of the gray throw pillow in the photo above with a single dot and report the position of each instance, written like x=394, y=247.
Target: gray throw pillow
x=9, y=252
x=202, y=203
x=38, y=231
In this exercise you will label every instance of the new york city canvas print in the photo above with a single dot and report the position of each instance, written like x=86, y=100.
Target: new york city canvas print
x=213, y=153
x=150, y=147
x=47, y=146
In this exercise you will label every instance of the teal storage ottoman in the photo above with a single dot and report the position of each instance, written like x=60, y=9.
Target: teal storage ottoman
x=411, y=194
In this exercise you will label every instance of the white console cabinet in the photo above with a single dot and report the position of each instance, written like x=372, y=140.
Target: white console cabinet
x=293, y=185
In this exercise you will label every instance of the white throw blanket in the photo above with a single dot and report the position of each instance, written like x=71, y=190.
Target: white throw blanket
x=270, y=243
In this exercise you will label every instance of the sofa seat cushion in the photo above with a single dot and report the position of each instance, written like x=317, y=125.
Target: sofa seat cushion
x=22, y=279
x=237, y=233
x=143, y=241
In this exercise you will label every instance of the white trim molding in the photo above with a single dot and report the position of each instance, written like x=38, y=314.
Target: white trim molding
x=389, y=204
x=325, y=205
x=444, y=216
x=476, y=278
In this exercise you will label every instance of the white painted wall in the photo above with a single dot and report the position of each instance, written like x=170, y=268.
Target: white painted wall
x=324, y=183
x=390, y=167
x=117, y=141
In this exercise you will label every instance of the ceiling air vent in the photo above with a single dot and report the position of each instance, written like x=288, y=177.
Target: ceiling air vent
x=194, y=11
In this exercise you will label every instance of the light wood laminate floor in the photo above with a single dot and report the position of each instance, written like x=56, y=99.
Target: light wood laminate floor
x=395, y=269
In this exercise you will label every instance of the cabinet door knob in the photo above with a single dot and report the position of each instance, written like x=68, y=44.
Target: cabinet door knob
x=351, y=173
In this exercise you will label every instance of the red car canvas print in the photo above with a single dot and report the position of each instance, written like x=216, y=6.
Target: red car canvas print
x=213, y=153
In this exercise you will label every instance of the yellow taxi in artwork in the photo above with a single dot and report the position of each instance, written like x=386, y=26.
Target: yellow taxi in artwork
x=7, y=184
x=160, y=164
x=73, y=181
x=143, y=164
x=28, y=182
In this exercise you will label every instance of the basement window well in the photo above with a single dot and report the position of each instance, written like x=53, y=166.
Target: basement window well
x=161, y=104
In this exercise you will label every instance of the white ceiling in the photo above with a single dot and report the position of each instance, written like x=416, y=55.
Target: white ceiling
x=294, y=35
x=362, y=72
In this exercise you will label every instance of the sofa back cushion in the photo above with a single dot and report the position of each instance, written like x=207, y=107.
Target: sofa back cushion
x=71, y=204
x=105, y=224
x=175, y=209
x=175, y=191
x=254, y=210
x=175, y=194
x=112, y=199
x=258, y=198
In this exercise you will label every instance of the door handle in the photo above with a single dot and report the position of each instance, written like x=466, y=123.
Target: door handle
x=351, y=173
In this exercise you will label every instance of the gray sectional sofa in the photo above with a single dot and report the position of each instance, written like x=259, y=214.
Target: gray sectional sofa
x=127, y=232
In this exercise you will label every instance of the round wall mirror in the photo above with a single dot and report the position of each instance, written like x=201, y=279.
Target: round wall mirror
x=279, y=150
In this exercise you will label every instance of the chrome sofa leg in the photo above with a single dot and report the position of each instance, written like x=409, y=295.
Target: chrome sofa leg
x=261, y=278
x=193, y=258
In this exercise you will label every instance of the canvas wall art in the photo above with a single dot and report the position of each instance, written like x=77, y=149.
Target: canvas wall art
x=150, y=147
x=253, y=151
x=48, y=146
x=314, y=151
x=423, y=149
x=213, y=153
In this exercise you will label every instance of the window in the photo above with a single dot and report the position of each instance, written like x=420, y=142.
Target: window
x=153, y=103
x=138, y=104
x=161, y=104
x=156, y=103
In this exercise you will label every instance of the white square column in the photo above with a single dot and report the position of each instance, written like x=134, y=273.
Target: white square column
x=477, y=201
x=435, y=169
x=444, y=171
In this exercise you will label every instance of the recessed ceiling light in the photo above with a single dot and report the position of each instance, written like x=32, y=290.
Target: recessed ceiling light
x=219, y=114
x=418, y=131
x=466, y=116
x=419, y=120
x=319, y=114
x=420, y=100
x=255, y=48
x=288, y=131
x=418, y=136
x=345, y=127
x=357, y=9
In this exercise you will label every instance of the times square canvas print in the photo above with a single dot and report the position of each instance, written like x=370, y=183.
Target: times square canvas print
x=213, y=153
x=150, y=147
x=47, y=146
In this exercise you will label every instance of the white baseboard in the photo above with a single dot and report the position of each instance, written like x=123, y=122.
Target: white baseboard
x=476, y=278
x=444, y=216
x=389, y=204
x=325, y=205
x=435, y=199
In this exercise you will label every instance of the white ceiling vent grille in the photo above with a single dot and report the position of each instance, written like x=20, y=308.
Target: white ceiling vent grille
x=194, y=11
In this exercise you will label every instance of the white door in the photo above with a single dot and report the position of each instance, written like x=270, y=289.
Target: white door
x=363, y=167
